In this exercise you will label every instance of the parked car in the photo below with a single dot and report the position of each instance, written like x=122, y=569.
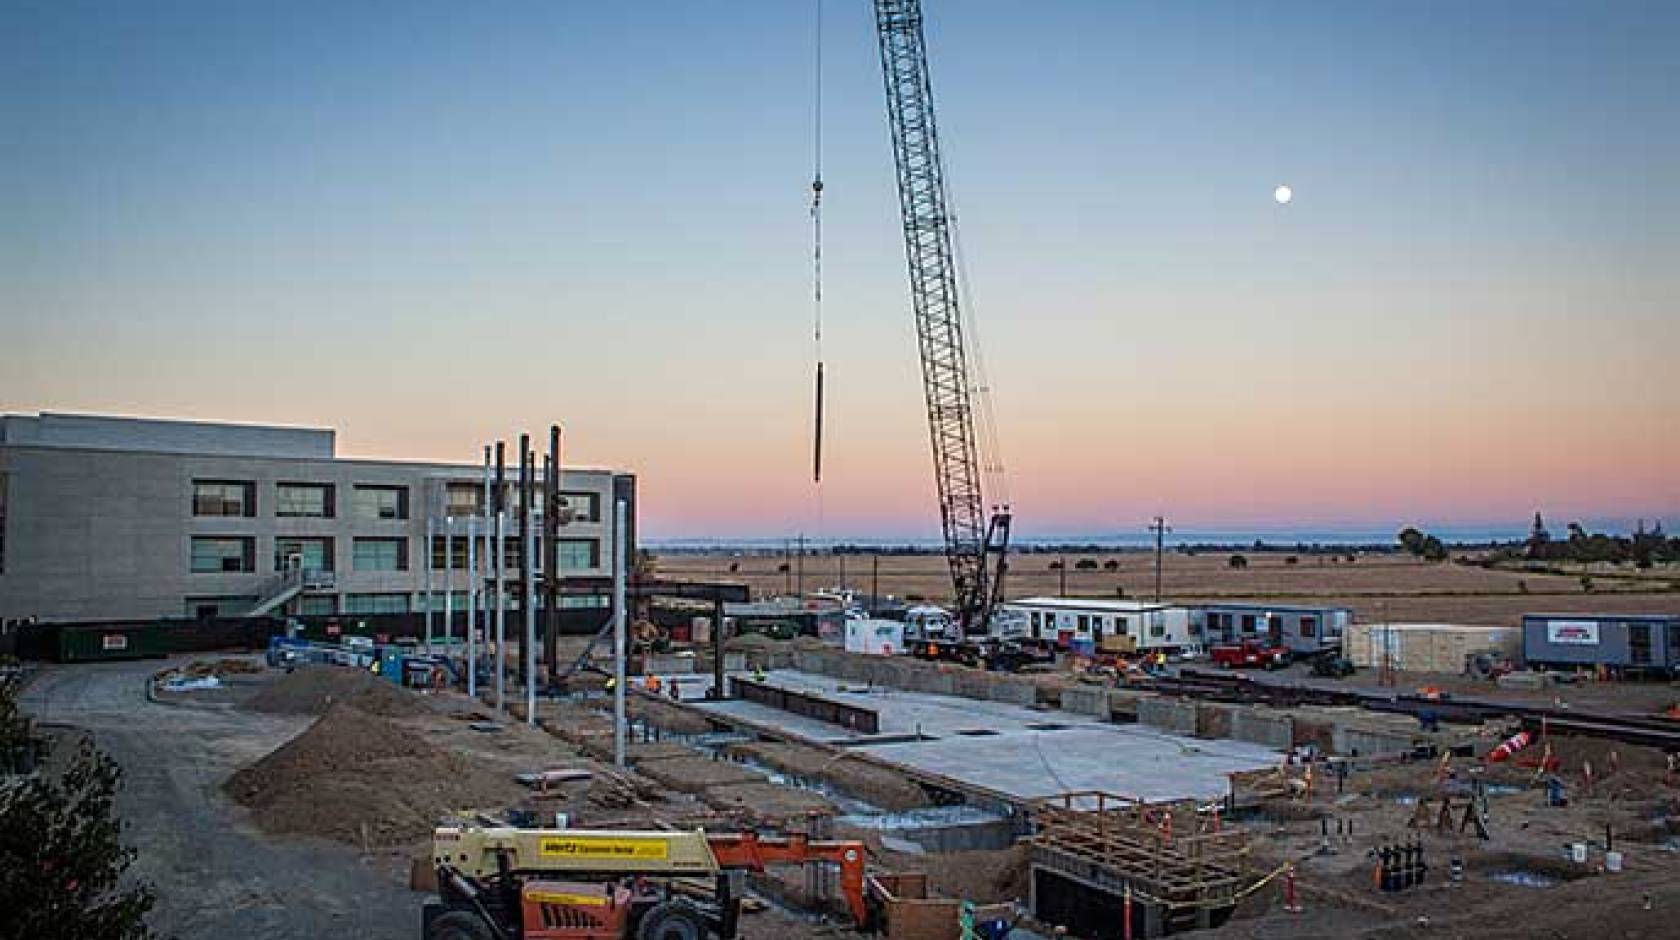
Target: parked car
x=1250, y=654
x=1333, y=667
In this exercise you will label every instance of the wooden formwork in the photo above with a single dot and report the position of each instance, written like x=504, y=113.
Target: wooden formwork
x=1173, y=859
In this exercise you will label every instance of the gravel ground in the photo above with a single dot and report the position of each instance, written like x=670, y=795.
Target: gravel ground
x=215, y=877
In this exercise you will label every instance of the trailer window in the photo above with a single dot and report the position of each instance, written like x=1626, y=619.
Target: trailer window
x=1309, y=626
x=1250, y=623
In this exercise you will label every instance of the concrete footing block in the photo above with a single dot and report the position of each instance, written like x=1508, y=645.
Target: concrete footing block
x=1167, y=714
x=1264, y=727
x=1086, y=701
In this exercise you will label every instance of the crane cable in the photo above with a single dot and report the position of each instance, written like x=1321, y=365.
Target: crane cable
x=816, y=255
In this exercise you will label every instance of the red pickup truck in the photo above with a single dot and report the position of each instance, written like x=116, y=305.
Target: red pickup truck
x=1249, y=654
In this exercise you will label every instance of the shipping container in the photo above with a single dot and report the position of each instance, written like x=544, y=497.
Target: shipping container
x=101, y=642
x=1637, y=643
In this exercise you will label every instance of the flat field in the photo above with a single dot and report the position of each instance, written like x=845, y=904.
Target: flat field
x=1378, y=587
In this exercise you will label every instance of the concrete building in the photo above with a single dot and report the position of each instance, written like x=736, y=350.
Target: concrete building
x=1301, y=629
x=107, y=517
x=1140, y=625
x=1427, y=647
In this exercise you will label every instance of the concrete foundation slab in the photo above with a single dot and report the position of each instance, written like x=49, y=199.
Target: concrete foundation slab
x=1017, y=751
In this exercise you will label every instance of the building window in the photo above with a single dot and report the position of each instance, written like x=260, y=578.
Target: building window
x=317, y=605
x=1250, y=623
x=457, y=601
x=580, y=553
x=1309, y=626
x=1084, y=623
x=380, y=554
x=3, y=479
x=1157, y=630
x=465, y=499
x=587, y=601
x=304, y=500
x=313, y=554
x=214, y=555
x=458, y=553
x=376, y=603
x=382, y=502
x=585, y=507
x=1035, y=621
x=1122, y=626
x=224, y=498
x=513, y=554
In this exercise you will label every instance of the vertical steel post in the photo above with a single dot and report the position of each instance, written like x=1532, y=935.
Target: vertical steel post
x=719, y=690
x=526, y=562
x=426, y=559
x=473, y=584
x=500, y=659
x=620, y=563
x=498, y=501
x=530, y=646
x=551, y=530
x=448, y=580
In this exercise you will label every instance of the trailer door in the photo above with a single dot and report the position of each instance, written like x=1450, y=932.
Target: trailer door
x=1639, y=644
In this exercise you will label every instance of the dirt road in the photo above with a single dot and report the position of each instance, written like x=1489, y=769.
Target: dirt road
x=215, y=877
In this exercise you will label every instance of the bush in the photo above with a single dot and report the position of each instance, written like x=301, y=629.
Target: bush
x=1055, y=566
x=61, y=855
x=1292, y=560
x=1236, y=561
x=1085, y=564
x=1113, y=564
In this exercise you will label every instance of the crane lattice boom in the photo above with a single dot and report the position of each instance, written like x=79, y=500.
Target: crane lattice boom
x=970, y=537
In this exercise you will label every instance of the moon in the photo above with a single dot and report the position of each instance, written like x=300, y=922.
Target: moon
x=1283, y=194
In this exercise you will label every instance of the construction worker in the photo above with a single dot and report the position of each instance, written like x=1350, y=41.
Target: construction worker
x=612, y=683
x=651, y=683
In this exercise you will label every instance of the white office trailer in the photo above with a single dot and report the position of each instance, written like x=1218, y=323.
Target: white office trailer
x=874, y=637
x=1108, y=625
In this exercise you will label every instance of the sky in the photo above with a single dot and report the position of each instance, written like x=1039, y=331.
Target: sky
x=430, y=224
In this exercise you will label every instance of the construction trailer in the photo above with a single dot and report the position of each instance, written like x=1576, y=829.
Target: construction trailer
x=1303, y=630
x=1634, y=643
x=1428, y=647
x=1095, y=624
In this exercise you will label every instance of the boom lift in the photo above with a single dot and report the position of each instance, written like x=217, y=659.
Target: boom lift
x=502, y=883
x=975, y=544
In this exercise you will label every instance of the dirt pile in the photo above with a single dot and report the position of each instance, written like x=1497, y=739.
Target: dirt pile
x=312, y=690
x=983, y=876
x=365, y=780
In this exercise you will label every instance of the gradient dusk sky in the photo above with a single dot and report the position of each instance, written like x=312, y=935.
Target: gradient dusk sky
x=430, y=223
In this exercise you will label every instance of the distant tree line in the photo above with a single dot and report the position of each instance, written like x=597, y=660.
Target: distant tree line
x=1644, y=548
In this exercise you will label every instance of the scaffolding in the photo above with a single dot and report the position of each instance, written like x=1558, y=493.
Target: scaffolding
x=1173, y=865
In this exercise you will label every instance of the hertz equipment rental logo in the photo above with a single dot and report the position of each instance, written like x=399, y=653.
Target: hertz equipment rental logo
x=609, y=847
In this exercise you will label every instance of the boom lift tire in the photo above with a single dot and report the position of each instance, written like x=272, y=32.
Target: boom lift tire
x=460, y=925
x=675, y=919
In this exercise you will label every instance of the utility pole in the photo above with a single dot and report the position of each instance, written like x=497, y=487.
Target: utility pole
x=800, y=570
x=1061, y=571
x=1160, y=528
x=787, y=567
x=842, y=572
x=874, y=582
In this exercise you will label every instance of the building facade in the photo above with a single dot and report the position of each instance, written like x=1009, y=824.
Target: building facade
x=107, y=518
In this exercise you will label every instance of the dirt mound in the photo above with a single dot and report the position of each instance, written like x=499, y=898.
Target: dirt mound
x=984, y=876
x=885, y=788
x=362, y=779
x=312, y=690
